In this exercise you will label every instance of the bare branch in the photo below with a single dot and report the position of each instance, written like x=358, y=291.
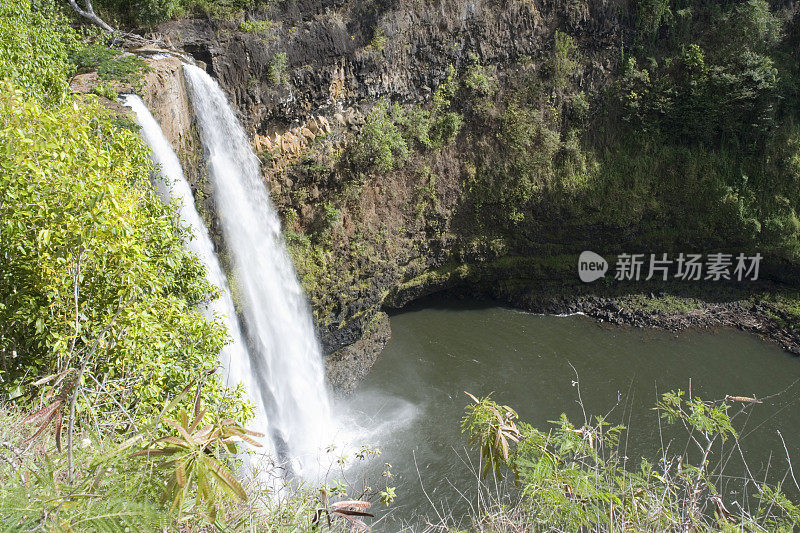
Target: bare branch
x=89, y=14
x=77, y=387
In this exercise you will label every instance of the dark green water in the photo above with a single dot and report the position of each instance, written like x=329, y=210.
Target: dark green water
x=414, y=394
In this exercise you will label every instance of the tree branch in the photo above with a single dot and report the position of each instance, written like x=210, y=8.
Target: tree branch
x=89, y=14
x=77, y=386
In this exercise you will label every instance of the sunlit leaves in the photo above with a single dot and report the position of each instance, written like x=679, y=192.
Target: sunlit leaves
x=79, y=220
x=34, y=50
x=192, y=462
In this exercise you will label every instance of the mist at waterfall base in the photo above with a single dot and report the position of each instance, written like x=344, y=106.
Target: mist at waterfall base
x=439, y=349
x=285, y=355
x=173, y=187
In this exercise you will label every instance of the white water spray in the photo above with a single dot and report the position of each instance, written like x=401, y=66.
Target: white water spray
x=174, y=187
x=285, y=355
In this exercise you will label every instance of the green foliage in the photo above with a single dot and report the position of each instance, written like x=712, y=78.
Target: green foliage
x=108, y=492
x=106, y=90
x=151, y=12
x=332, y=214
x=256, y=26
x=574, y=478
x=126, y=69
x=93, y=55
x=650, y=16
x=704, y=417
x=194, y=461
x=416, y=126
x=277, y=68
x=217, y=9
x=696, y=142
x=105, y=501
x=692, y=100
x=381, y=143
x=563, y=62
x=111, y=64
x=35, y=46
x=445, y=128
x=478, y=80
x=84, y=238
x=427, y=200
x=445, y=91
x=390, y=132
x=378, y=40
x=139, y=12
x=579, y=107
x=524, y=165
x=492, y=427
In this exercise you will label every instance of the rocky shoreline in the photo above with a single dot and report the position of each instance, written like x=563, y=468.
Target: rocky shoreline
x=742, y=314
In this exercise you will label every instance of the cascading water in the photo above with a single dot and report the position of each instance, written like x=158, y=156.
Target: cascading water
x=173, y=187
x=285, y=355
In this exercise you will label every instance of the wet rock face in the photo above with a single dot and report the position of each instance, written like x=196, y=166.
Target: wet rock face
x=346, y=367
x=346, y=54
x=166, y=97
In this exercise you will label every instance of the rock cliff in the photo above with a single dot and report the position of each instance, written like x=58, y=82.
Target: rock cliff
x=459, y=79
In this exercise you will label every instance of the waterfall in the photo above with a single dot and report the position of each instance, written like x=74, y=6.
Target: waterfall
x=285, y=355
x=173, y=187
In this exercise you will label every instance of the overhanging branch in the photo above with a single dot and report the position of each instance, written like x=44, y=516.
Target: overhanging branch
x=89, y=14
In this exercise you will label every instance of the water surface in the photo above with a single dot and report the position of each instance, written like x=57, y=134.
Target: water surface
x=415, y=392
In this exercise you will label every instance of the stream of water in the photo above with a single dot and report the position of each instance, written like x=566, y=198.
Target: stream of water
x=172, y=187
x=285, y=355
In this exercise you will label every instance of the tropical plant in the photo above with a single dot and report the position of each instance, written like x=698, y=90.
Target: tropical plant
x=492, y=427
x=193, y=460
x=574, y=478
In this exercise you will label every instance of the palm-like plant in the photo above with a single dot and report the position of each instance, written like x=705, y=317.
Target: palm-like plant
x=194, y=462
x=492, y=430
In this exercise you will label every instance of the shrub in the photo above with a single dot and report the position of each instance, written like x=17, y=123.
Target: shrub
x=445, y=128
x=106, y=90
x=478, y=79
x=380, y=143
x=256, y=26
x=277, y=68
x=416, y=126
x=563, y=62
x=111, y=64
x=35, y=47
x=650, y=16
x=331, y=213
x=574, y=478
x=127, y=69
x=93, y=55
